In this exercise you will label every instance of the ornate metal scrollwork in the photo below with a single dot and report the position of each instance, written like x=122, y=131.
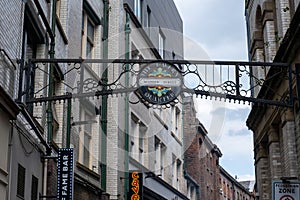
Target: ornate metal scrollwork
x=238, y=81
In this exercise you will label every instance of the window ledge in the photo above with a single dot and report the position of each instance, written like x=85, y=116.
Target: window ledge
x=87, y=170
x=176, y=138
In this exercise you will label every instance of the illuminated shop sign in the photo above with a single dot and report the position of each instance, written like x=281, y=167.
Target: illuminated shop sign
x=135, y=185
x=159, y=83
x=65, y=174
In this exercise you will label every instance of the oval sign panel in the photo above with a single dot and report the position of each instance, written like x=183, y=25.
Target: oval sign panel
x=159, y=83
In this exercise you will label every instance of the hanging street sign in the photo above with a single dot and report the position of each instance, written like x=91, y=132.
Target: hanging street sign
x=159, y=83
x=65, y=174
x=135, y=186
x=289, y=190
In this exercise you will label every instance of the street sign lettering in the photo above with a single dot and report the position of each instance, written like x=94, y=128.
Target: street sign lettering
x=159, y=83
x=286, y=190
x=136, y=185
x=65, y=174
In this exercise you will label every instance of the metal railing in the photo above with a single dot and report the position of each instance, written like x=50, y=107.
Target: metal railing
x=226, y=80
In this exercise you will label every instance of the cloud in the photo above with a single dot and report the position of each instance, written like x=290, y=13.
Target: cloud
x=218, y=26
x=246, y=177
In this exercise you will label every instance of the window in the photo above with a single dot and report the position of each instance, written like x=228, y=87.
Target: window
x=148, y=19
x=142, y=133
x=137, y=136
x=175, y=112
x=160, y=151
x=134, y=135
x=178, y=167
x=21, y=181
x=34, y=187
x=162, y=159
x=161, y=44
x=188, y=188
x=87, y=139
x=177, y=118
x=90, y=39
x=87, y=121
x=157, y=154
x=176, y=163
x=32, y=36
x=174, y=170
x=138, y=9
x=88, y=33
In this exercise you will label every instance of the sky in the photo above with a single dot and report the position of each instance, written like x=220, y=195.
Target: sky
x=216, y=30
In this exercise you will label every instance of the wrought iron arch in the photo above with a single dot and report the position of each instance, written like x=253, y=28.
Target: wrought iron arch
x=224, y=80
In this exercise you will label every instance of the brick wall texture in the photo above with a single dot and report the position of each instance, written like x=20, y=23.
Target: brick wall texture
x=201, y=162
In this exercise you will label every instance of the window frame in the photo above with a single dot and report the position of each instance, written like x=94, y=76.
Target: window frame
x=87, y=138
x=34, y=187
x=161, y=44
x=138, y=9
x=21, y=178
x=87, y=40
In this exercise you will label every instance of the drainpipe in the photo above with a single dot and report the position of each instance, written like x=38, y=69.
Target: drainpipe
x=104, y=79
x=69, y=111
x=10, y=157
x=50, y=93
x=51, y=32
x=50, y=89
x=127, y=54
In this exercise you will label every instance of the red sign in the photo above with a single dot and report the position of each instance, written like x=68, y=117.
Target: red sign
x=287, y=197
x=135, y=186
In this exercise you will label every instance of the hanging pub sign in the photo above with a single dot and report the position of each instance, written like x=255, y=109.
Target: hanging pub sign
x=135, y=186
x=65, y=174
x=159, y=83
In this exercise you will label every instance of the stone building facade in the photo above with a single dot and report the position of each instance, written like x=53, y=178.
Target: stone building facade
x=273, y=37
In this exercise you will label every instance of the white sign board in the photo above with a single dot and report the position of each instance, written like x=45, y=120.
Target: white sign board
x=286, y=190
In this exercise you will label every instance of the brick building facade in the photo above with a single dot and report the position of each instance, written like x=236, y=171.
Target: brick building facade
x=202, y=161
x=230, y=188
x=201, y=155
x=274, y=37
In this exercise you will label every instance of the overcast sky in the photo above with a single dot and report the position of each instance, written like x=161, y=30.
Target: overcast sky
x=216, y=28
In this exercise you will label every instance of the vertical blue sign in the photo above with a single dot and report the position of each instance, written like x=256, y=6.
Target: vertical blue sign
x=65, y=174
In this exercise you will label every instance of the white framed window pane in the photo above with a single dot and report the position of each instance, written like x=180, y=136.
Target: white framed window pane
x=87, y=139
x=89, y=50
x=161, y=45
x=137, y=9
x=90, y=30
